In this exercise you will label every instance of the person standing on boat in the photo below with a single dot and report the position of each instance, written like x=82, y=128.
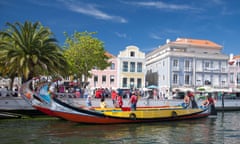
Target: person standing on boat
x=119, y=101
x=133, y=101
x=210, y=102
x=190, y=101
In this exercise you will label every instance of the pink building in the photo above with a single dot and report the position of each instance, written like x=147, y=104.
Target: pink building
x=106, y=78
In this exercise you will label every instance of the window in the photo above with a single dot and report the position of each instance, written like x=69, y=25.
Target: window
x=112, y=78
x=207, y=65
x=187, y=79
x=125, y=66
x=187, y=64
x=139, y=67
x=132, y=66
x=112, y=66
x=131, y=82
x=175, y=63
x=238, y=64
x=139, y=83
x=132, y=54
x=95, y=79
x=231, y=77
x=103, y=79
x=124, y=82
x=175, y=78
x=207, y=82
x=238, y=78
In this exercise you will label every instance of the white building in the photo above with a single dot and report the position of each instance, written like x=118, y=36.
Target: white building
x=187, y=64
x=234, y=73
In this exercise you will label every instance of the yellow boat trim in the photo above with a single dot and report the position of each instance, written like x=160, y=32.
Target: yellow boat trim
x=144, y=114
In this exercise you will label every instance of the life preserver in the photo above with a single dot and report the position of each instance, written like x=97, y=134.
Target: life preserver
x=174, y=114
x=132, y=116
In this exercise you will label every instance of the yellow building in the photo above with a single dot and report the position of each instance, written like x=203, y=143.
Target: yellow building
x=131, y=68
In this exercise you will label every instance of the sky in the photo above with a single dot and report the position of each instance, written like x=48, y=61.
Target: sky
x=143, y=23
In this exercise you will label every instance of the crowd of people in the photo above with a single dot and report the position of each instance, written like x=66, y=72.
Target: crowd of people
x=133, y=96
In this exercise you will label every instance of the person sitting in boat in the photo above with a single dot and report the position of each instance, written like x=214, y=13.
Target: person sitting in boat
x=103, y=103
x=133, y=101
x=210, y=102
x=190, y=101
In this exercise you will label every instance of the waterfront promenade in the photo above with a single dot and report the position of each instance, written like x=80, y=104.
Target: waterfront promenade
x=17, y=103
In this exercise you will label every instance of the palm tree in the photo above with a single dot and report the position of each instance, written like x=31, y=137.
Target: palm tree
x=28, y=50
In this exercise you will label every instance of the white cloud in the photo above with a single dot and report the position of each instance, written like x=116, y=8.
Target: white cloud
x=121, y=35
x=91, y=10
x=155, y=36
x=162, y=5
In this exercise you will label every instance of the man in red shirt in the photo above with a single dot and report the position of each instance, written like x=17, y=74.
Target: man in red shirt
x=114, y=97
x=133, y=101
x=119, y=101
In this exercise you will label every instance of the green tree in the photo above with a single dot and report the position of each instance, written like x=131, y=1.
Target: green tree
x=84, y=52
x=28, y=50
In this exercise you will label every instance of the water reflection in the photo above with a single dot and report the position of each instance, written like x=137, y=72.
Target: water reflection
x=223, y=129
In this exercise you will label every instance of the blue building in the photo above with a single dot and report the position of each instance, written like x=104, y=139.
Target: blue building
x=186, y=64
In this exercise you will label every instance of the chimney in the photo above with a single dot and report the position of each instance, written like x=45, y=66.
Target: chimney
x=231, y=56
x=167, y=41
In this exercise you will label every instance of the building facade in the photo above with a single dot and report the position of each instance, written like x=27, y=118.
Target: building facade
x=106, y=78
x=234, y=73
x=186, y=64
x=131, y=66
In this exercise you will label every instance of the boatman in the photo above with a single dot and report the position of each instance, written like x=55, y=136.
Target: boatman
x=190, y=101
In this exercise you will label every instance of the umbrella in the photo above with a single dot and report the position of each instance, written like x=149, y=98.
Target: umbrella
x=152, y=87
x=203, y=88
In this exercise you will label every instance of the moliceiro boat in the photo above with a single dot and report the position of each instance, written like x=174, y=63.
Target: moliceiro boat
x=43, y=101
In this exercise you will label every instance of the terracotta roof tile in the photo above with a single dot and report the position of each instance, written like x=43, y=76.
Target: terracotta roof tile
x=236, y=57
x=197, y=42
x=109, y=55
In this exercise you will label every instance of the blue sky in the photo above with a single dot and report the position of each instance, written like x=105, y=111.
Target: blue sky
x=143, y=23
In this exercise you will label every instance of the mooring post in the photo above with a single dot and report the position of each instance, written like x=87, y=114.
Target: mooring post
x=223, y=101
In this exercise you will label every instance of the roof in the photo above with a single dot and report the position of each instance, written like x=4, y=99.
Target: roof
x=109, y=55
x=196, y=42
x=236, y=57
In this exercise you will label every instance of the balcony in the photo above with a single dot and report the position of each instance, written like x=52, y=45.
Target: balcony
x=175, y=68
x=188, y=69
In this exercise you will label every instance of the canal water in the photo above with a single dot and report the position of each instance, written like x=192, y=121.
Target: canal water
x=223, y=129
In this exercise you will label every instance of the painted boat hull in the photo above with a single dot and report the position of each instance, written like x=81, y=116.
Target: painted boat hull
x=143, y=115
x=57, y=108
